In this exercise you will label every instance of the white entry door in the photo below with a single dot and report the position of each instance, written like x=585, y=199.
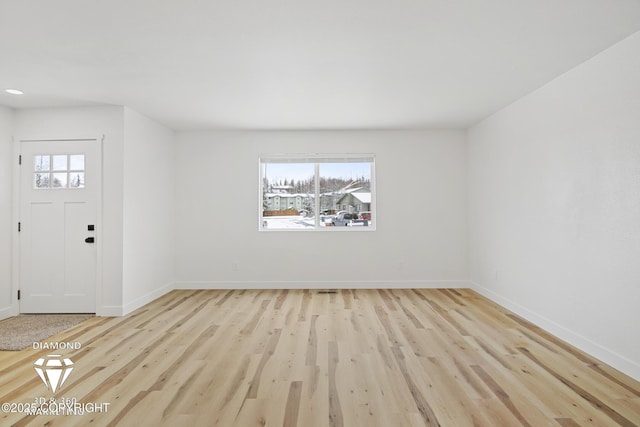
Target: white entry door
x=59, y=184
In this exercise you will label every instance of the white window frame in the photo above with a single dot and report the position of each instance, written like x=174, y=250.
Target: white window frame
x=317, y=159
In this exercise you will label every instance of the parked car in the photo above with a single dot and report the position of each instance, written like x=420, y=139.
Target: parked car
x=346, y=219
x=365, y=215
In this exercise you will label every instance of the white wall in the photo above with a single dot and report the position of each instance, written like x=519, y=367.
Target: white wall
x=417, y=243
x=149, y=210
x=6, y=213
x=87, y=122
x=554, y=206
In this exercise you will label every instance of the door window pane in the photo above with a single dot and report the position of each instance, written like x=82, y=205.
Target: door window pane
x=76, y=162
x=60, y=163
x=42, y=163
x=76, y=180
x=41, y=180
x=59, y=180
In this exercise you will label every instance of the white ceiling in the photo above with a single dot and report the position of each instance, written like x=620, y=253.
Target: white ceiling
x=299, y=64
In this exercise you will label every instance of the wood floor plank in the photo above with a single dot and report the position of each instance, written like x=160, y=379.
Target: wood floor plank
x=500, y=394
x=335, y=409
x=417, y=357
x=293, y=405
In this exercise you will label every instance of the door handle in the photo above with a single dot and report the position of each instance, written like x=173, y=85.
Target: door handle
x=90, y=240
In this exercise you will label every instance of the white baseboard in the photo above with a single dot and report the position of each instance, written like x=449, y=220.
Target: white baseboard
x=609, y=357
x=6, y=312
x=147, y=298
x=365, y=284
x=110, y=311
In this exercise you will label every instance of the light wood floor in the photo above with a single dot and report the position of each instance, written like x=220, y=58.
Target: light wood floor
x=304, y=358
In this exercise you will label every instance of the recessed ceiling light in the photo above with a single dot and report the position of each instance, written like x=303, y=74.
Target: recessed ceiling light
x=14, y=91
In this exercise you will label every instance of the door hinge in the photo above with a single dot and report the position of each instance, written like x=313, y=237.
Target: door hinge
x=18, y=294
x=20, y=159
x=19, y=227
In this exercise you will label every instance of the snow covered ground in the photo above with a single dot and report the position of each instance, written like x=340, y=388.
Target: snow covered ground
x=291, y=222
x=286, y=222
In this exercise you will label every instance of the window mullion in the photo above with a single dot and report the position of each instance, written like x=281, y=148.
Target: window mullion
x=316, y=201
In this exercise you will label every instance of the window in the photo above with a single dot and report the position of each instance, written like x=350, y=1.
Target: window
x=58, y=171
x=317, y=192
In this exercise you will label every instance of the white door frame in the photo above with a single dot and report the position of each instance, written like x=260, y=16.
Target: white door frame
x=15, y=244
